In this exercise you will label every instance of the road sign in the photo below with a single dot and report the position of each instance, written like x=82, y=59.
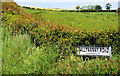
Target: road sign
x=94, y=51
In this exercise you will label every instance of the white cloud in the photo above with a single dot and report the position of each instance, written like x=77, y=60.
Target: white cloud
x=66, y=0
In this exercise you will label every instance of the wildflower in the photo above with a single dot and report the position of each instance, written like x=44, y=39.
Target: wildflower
x=77, y=48
x=106, y=59
x=56, y=45
x=75, y=30
x=37, y=49
x=29, y=56
x=117, y=64
x=24, y=60
x=84, y=29
x=28, y=49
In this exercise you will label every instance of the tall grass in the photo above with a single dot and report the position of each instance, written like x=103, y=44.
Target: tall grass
x=0, y=51
x=20, y=56
x=13, y=47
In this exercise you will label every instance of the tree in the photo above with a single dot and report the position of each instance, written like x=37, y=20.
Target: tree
x=98, y=7
x=83, y=7
x=77, y=7
x=91, y=7
x=88, y=7
x=108, y=6
x=119, y=8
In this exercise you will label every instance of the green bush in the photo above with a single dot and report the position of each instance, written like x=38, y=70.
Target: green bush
x=60, y=36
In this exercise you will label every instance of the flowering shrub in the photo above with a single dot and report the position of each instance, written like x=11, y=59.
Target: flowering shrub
x=11, y=8
x=64, y=36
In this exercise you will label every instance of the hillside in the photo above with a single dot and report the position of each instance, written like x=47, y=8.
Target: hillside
x=80, y=20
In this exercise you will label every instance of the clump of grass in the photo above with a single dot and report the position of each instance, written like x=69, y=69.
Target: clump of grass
x=0, y=51
x=42, y=59
x=76, y=65
x=12, y=48
x=104, y=19
x=32, y=60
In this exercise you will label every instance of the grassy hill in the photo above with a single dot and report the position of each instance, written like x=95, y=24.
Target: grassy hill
x=81, y=20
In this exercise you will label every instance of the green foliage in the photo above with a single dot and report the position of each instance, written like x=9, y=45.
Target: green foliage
x=13, y=47
x=98, y=7
x=77, y=7
x=11, y=8
x=108, y=6
x=76, y=65
x=90, y=7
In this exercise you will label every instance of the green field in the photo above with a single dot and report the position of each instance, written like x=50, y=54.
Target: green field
x=81, y=20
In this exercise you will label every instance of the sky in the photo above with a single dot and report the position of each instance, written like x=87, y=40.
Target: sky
x=66, y=0
x=66, y=4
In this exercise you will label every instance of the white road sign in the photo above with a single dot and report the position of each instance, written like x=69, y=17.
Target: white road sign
x=94, y=51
